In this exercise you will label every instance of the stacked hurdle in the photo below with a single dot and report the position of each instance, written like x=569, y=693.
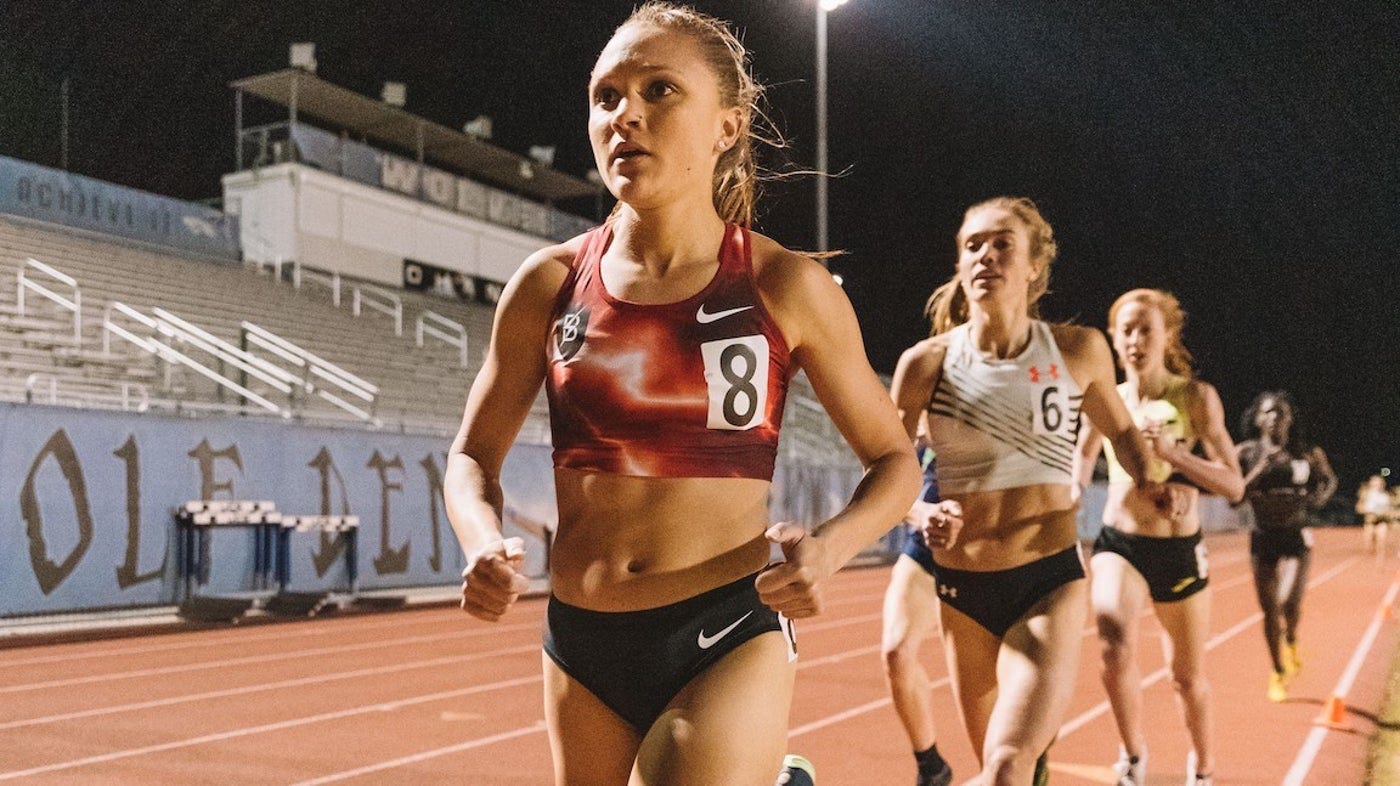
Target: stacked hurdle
x=272, y=556
x=311, y=603
x=196, y=521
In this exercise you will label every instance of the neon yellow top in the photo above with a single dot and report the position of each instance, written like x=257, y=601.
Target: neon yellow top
x=1173, y=413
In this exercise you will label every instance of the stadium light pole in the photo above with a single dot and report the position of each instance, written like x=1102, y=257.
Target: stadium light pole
x=824, y=7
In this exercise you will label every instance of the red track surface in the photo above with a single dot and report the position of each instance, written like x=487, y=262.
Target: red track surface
x=433, y=696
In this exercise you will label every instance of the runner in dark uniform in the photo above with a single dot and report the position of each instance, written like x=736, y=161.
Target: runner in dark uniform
x=1284, y=478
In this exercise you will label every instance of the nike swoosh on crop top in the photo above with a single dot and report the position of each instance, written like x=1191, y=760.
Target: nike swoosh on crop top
x=1002, y=423
x=693, y=388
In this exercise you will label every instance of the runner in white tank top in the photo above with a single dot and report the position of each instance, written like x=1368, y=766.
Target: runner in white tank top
x=1002, y=393
x=1000, y=423
x=1373, y=503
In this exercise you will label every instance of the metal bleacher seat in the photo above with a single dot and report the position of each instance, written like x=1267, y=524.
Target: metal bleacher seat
x=422, y=388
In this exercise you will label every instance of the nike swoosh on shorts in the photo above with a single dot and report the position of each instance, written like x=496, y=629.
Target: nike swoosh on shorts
x=707, y=642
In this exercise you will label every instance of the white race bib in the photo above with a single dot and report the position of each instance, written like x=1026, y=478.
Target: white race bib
x=736, y=376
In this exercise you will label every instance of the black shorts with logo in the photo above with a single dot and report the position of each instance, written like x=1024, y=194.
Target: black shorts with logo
x=996, y=599
x=1175, y=568
x=636, y=662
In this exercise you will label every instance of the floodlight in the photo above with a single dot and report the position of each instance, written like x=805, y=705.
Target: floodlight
x=479, y=127
x=394, y=93
x=303, y=56
x=542, y=154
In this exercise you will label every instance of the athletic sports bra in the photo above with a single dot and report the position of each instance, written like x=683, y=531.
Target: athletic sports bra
x=998, y=424
x=694, y=388
x=1278, y=494
x=1293, y=475
x=1173, y=412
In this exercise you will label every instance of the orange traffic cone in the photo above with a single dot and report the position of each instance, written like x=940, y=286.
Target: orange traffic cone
x=1334, y=714
x=1387, y=612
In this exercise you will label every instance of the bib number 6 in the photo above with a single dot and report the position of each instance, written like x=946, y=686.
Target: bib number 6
x=736, y=377
x=1049, y=410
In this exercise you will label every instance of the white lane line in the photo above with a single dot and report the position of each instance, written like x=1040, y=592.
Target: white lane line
x=328, y=677
x=451, y=660
x=278, y=726
x=425, y=755
x=1087, y=632
x=1303, y=763
x=1102, y=707
x=243, y=661
x=382, y=706
x=800, y=730
x=879, y=703
x=345, y=713
x=285, y=631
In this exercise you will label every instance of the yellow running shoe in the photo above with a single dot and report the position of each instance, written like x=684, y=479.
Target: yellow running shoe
x=1291, y=664
x=1278, y=691
x=797, y=771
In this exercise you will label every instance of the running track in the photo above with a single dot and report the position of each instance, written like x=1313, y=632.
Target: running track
x=431, y=696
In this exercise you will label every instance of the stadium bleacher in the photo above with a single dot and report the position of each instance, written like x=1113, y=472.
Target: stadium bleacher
x=421, y=388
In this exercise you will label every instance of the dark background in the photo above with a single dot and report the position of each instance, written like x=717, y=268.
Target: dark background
x=1245, y=156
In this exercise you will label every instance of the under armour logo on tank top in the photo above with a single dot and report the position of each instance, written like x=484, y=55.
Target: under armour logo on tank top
x=1002, y=423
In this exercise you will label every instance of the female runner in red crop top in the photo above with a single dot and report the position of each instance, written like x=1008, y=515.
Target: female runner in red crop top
x=668, y=653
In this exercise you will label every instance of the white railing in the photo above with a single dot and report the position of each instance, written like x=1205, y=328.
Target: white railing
x=329, y=280
x=226, y=353
x=379, y=300
x=73, y=304
x=151, y=344
x=440, y=327
x=122, y=395
x=312, y=365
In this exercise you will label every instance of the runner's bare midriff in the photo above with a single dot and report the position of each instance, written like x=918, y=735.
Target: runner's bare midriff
x=626, y=543
x=1137, y=515
x=1007, y=528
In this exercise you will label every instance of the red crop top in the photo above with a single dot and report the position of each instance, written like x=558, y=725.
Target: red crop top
x=688, y=389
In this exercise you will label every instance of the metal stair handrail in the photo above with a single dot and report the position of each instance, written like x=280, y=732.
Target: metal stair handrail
x=31, y=385
x=111, y=327
x=73, y=304
x=432, y=323
x=311, y=364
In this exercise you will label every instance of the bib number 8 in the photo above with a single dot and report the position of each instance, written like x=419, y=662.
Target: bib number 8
x=736, y=377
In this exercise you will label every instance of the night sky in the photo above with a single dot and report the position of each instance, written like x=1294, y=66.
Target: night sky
x=1246, y=158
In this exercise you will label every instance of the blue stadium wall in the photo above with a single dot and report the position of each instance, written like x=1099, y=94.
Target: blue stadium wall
x=87, y=496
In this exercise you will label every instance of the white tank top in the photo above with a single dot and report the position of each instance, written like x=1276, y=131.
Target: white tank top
x=1001, y=423
x=1375, y=502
